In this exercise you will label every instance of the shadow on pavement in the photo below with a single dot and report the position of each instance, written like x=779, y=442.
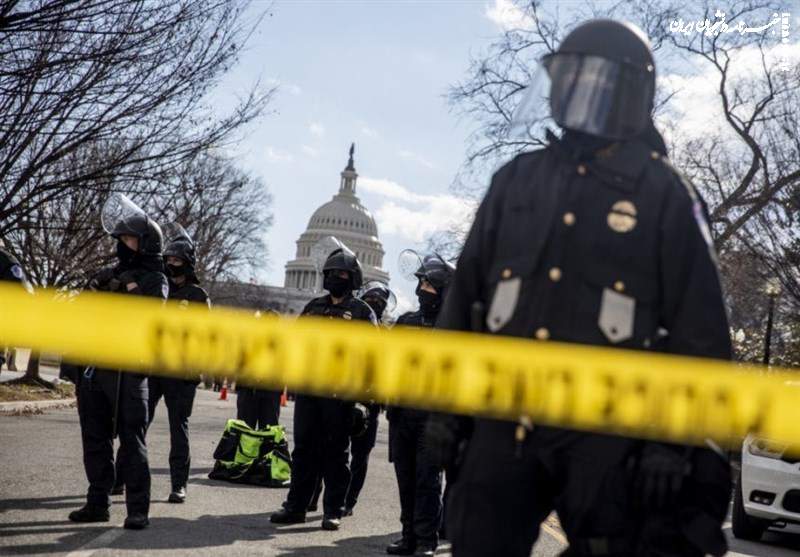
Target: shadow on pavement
x=361, y=545
x=71, y=540
x=205, y=531
x=37, y=503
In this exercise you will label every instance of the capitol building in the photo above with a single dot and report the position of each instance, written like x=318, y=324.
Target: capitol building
x=343, y=217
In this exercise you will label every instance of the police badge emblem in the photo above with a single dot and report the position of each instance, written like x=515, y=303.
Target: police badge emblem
x=622, y=217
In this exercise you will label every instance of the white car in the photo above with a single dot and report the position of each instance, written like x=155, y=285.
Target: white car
x=768, y=491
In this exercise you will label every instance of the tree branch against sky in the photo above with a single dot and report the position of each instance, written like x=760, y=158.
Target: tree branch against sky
x=131, y=74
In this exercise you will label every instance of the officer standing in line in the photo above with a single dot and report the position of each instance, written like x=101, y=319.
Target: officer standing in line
x=258, y=407
x=11, y=271
x=112, y=402
x=322, y=425
x=594, y=239
x=381, y=299
x=419, y=478
x=185, y=289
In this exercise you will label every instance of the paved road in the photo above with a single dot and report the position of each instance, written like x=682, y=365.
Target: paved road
x=42, y=479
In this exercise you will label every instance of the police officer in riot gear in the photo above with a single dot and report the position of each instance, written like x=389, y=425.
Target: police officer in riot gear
x=363, y=437
x=594, y=239
x=112, y=402
x=419, y=477
x=184, y=289
x=322, y=425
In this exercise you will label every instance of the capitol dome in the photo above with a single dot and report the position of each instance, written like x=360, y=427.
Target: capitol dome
x=350, y=222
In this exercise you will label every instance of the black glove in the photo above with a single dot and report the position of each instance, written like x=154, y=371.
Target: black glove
x=660, y=475
x=101, y=280
x=359, y=420
x=126, y=278
x=442, y=437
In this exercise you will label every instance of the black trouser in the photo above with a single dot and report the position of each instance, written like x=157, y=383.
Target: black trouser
x=179, y=399
x=258, y=408
x=419, y=480
x=98, y=399
x=321, y=441
x=506, y=488
x=360, y=449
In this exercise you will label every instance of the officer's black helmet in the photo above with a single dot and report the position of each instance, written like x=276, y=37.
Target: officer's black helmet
x=377, y=290
x=436, y=271
x=603, y=80
x=182, y=249
x=345, y=260
x=147, y=230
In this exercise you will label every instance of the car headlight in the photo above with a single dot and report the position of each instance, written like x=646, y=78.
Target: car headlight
x=761, y=446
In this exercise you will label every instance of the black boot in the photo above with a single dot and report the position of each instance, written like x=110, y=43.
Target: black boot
x=90, y=514
x=287, y=516
x=136, y=521
x=402, y=546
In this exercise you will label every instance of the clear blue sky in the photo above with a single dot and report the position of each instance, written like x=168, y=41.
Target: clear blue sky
x=370, y=72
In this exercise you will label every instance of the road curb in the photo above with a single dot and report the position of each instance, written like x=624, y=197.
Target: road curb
x=25, y=406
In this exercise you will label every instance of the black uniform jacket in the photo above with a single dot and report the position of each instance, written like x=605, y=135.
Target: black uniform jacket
x=189, y=292
x=612, y=251
x=416, y=319
x=348, y=308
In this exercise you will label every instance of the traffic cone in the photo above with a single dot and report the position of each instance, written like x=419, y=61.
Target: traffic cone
x=223, y=394
x=283, y=398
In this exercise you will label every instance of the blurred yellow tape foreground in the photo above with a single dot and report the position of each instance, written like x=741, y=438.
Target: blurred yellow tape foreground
x=616, y=391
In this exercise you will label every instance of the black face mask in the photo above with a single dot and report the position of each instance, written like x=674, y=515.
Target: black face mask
x=176, y=270
x=337, y=286
x=428, y=301
x=124, y=253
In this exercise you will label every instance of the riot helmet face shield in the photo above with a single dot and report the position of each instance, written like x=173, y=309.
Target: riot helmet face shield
x=600, y=81
x=432, y=267
x=121, y=216
x=597, y=96
x=531, y=118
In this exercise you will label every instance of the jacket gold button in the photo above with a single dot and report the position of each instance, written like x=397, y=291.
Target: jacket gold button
x=542, y=333
x=506, y=273
x=581, y=170
x=619, y=286
x=555, y=274
x=655, y=155
x=569, y=219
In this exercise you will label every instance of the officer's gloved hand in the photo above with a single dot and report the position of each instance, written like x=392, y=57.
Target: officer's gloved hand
x=126, y=278
x=359, y=420
x=442, y=435
x=660, y=476
x=100, y=281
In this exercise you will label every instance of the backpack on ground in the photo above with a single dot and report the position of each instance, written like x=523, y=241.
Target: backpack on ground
x=248, y=456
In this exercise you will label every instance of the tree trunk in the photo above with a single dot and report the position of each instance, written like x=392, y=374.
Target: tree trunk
x=32, y=373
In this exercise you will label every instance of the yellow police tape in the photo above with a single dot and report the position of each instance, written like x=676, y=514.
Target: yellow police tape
x=598, y=389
